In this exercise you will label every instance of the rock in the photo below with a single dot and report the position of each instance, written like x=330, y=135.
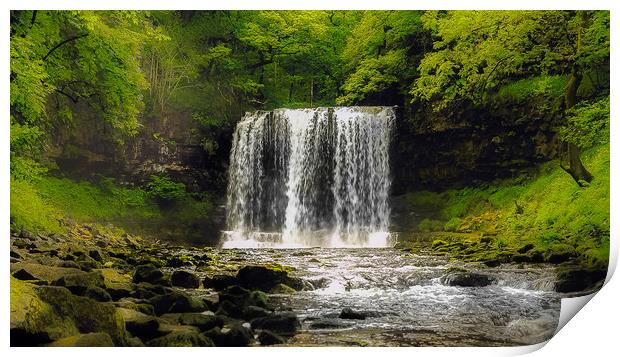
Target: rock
x=44, y=272
x=22, y=274
x=185, y=279
x=252, y=312
x=95, y=255
x=98, y=294
x=27, y=234
x=575, y=280
x=148, y=291
x=78, y=283
x=284, y=323
x=349, y=314
x=181, y=339
x=42, y=314
x=140, y=325
x=466, y=279
x=87, y=263
x=149, y=274
x=526, y=248
x=260, y=277
x=282, y=289
x=15, y=254
x=521, y=258
x=69, y=264
x=492, y=263
x=267, y=338
x=560, y=256
x=220, y=282
x=178, y=262
x=231, y=309
x=94, y=339
x=203, y=321
x=234, y=335
x=136, y=304
x=176, y=301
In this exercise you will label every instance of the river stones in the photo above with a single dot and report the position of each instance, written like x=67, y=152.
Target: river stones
x=176, y=301
x=466, y=279
x=268, y=338
x=150, y=274
x=181, y=338
x=283, y=323
x=233, y=335
x=140, y=325
x=574, y=280
x=220, y=281
x=202, y=321
x=184, y=279
x=265, y=278
x=93, y=339
x=349, y=314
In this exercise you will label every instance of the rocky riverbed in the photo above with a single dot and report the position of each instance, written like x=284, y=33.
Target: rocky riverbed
x=97, y=288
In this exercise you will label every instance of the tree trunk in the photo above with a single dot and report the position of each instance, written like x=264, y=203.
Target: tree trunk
x=575, y=167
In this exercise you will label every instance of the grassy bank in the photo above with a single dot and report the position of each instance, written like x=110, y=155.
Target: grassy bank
x=547, y=217
x=48, y=204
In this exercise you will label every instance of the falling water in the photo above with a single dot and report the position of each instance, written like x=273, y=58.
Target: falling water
x=310, y=177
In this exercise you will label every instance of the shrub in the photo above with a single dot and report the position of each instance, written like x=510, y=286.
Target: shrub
x=165, y=191
x=430, y=225
x=453, y=224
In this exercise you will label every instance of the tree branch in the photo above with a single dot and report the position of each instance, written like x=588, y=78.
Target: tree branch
x=62, y=43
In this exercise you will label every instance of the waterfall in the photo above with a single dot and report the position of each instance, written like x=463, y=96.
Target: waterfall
x=310, y=177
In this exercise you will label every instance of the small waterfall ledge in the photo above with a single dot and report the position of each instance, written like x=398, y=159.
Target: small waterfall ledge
x=310, y=178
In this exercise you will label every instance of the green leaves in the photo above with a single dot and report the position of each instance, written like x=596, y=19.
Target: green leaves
x=588, y=124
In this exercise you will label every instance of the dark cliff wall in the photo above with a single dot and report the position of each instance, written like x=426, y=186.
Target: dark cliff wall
x=435, y=152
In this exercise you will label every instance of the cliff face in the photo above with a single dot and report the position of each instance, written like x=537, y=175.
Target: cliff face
x=430, y=151
x=172, y=144
x=433, y=153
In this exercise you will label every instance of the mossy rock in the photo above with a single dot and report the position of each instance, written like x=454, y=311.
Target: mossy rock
x=93, y=339
x=41, y=314
x=282, y=289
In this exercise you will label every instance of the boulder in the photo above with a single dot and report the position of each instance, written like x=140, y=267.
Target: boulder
x=267, y=338
x=42, y=314
x=328, y=323
x=22, y=274
x=147, y=290
x=43, y=272
x=284, y=323
x=181, y=339
x=93, y=339
x=184, y=279
x=282, y=289
x=234, y=335
x=526, y=248
x=97, y=293
x=348, y=314
x=150, y=274
x=252, y=312
x=140, y=325
x=176, y=301
x=136, y=304
x=466, y=279
x=265, y=278
x=95, y=255
x=202, y=321
x=576, y=280
x=78, y=283
x=220, y=282
x=116, y=284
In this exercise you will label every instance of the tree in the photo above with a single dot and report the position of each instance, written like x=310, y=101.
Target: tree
x=476, y=52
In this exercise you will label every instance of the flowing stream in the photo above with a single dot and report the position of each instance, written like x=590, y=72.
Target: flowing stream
x=404, y=301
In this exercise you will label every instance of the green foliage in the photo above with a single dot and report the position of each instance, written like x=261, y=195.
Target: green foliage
x=547, y=86
x=164, y=190
x=556, y=214
x=453, y=224
x=430, y=225
x=588, y=124
x=30, y=211
x=477, y=52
